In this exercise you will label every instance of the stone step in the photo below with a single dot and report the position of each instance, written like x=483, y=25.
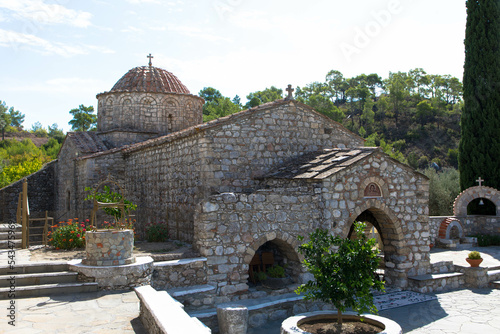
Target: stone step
x=5, y=235
x=46, y=290
x=7, y=244
x=8, y=227
x=251, y=304
x=493, y=275
x=495, y=284
x=183, y=291
x=35, y=267
x=38, y=278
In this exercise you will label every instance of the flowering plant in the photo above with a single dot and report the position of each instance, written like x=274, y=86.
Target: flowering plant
x=157, y=232
x=67, y=235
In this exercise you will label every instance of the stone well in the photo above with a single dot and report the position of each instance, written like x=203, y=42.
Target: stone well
x=109, y=247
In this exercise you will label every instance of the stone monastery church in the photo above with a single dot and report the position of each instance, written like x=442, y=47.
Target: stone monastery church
x=257, y=178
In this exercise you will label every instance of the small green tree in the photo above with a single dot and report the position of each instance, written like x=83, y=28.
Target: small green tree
x=109, y=196
x=343, y=270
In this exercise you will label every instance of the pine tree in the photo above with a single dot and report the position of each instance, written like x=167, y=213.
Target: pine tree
x=479, y=150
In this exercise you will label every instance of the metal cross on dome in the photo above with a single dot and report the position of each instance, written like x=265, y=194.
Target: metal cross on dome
x=480, y=181
x=150, y=56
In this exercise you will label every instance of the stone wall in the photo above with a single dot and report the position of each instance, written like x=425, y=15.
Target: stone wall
x=229, y=228
x=471, y=225
x=179, y=273
x=41, y=194
x=167, y=176
x=162, y=113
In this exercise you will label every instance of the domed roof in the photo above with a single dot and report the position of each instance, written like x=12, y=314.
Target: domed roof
x=149, y=79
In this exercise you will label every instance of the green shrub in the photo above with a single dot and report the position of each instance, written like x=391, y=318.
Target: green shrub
x=485, y=240
x=276, y=272
x=68, y=235
x=261, y=276
x=474, y=255
x=157, y=232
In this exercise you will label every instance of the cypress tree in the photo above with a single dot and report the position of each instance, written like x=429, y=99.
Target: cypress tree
x=479, y=150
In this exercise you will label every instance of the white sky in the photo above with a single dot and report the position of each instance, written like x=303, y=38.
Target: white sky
x=56, y=55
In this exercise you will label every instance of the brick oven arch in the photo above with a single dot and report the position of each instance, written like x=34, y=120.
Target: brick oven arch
x=393, y=238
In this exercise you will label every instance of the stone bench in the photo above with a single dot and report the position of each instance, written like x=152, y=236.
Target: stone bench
x=160, y=313
x=436, y=282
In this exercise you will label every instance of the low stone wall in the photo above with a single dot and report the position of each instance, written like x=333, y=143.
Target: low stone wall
x=116, y=277
x=179, y=273
x=472, y=225
x=278, y=311
x=160, y=313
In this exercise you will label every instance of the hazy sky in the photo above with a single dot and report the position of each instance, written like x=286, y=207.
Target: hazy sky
x=56, y=55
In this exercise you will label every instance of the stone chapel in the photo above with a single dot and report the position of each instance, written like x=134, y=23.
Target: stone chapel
x=257, y=178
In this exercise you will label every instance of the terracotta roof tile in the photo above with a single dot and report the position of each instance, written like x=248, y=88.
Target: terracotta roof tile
x=151, y=80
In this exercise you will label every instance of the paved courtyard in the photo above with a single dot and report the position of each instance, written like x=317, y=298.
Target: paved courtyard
x=463, y=311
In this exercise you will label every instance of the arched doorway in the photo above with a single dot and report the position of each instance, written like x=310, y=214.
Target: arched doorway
x=394, y=252
x=270, y=255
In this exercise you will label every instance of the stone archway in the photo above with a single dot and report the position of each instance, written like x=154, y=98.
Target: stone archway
x=284, y=253
x=473, y=193
x=396, y=261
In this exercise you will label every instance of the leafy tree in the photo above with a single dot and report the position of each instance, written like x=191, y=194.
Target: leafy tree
x=479, y=149
x=210, y=94
x=51, y=148
x=264, y=96
x=425, y=112
x=9, y=117
x=16, y=171
x=444, y=187
x=38, y=130
x=4, y=120
x=216, y=105
x=16, y=118
x=84, y=118
x=56, y=133
x=397, y=85
x=343, y=270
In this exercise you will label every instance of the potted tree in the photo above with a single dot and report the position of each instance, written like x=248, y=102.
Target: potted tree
x=474, y=259
x=343, y=271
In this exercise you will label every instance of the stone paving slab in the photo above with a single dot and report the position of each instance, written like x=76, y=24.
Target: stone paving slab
x=93, y=312
x=490, y=255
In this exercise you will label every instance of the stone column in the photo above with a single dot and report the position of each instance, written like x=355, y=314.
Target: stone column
x=232, y=319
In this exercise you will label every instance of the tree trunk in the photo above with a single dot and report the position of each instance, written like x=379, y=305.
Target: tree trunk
x=339, y=317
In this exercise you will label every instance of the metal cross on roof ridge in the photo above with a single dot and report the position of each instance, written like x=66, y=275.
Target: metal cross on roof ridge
x=150, y=56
